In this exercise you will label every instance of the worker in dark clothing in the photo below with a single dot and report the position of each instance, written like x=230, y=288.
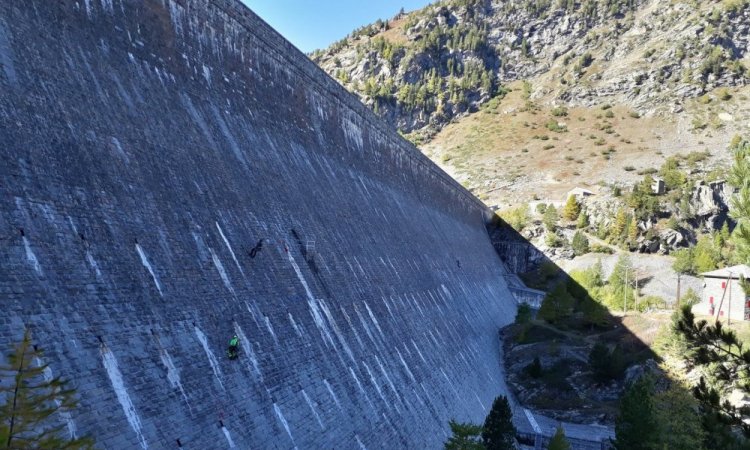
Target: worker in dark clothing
x=234, y=348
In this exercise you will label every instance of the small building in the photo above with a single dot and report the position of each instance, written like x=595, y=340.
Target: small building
x=658, y=186
x=579, y=193
x=723, y=296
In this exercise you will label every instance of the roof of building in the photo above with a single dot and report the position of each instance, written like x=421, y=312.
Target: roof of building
x=580, y=191
x=734, y=272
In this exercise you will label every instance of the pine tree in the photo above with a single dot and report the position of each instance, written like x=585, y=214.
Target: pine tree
x=739, y=177
x=583, y=221
x=466, y=436
x=636, y=428
x=31, y=399
x=723, y=355
x=620, y=225
x=558, y=441
x=499, y=432
x=579, y=244
x=572, y=208
x=550, y=218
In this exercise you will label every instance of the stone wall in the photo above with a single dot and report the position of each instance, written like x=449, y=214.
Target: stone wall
x=146, y=148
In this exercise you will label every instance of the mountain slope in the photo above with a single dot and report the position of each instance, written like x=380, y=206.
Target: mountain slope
x=673, y=74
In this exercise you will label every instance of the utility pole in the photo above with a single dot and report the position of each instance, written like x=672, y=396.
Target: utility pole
x=729, y=312
x=679, y=275
x=625, y=292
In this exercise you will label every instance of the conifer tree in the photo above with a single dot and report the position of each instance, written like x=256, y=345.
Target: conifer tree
x=550, y=218
x=572, y=208
x=739, y=177
x=583, y=220
x=466, y=436
x=30, y=398
x=558, y=441
x=499, y=432
x=636, y=428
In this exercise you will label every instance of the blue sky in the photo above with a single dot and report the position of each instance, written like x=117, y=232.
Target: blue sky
x=311, y=24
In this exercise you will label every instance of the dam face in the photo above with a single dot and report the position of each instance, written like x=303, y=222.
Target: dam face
x=173, y=173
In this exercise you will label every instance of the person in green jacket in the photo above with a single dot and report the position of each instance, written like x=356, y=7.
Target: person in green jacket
x=234, y=348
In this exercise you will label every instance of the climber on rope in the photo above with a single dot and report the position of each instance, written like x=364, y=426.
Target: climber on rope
x=234, y=348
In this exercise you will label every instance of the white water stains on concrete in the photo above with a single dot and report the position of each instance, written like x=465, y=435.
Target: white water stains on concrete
x=375, y=383
x=117, y=146
x=147, y=265
x=64, y=413
x=92, y=262
x=359, y=442
x=406, y=366
x=247, y=348
x=31, y=257
x=352, y=133
x=283, y=421
x=231, y=251
x=173, y=375
x=333, y=394
x=228, y=437
x=312, y=303
x=269, y=327
x=115, y=377
x=211, y=357
x=294, y=325
x=220, y=268
x=312, y=408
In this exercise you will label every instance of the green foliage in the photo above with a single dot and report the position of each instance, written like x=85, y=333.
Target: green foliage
x=636, y=427
x=553, y=240
x=550, y=218
x=558, y=441
x=572, y=208
x=673, y=177
x=534, y=368
x=517, y=217
x=583, y=220
x=739, y=177
x=559, y=111
x=557, y=304
x=523, y=314
x=579, y=244
x=606, y=365
x=466, y=436
x=541, y=208
x=499, y=432
x=30, y=401
x=723, y=357
x=678, y=420
x=644, y=203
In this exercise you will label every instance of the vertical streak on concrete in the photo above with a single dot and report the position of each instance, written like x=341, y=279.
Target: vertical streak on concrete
x=147, y=265
x=211, y=358
x=115, y=377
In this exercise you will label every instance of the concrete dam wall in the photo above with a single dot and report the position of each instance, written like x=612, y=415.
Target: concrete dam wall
x=173, y=172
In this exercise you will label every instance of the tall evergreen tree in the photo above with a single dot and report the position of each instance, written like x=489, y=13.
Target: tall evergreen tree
x=636, y=428
x=572, y=208
x=499, y=432
x=558, y=441
x=30, y=398
x=550, y=218
x=739, y=177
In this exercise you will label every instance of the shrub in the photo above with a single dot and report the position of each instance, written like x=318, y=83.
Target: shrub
x=605, y=364
x=518, y=217
x=560, y=111
x=523, y=314
x=580, y=244
x=541, y=208
x=534, y=369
